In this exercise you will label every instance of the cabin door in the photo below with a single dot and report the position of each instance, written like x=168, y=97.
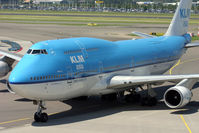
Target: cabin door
x=83, y=49
x=69, y=75
x=133, y=63
x=101, y=70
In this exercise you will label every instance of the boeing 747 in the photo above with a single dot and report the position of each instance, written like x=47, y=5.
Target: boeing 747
x=68, y=68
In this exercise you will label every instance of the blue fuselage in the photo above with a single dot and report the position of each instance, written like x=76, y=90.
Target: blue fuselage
x=67, y=59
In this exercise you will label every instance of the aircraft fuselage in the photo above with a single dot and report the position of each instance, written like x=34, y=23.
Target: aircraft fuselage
x=68, y=68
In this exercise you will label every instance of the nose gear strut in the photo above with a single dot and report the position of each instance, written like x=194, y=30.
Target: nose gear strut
x=39, y=116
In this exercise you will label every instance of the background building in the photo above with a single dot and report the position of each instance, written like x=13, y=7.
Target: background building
x=154, y=6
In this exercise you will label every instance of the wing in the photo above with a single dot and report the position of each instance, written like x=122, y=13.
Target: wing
x=144, y=35
x=14, y=56
x=118, y=82
x=192, y=45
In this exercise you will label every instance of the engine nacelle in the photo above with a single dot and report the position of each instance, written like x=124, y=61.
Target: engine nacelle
x=177, y=97
x=4, y=68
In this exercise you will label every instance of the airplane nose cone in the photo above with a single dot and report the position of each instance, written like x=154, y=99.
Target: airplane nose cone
x=19, y=74
x=13, y=81
x=18, y=83
x=12, y=78
x=16, y=78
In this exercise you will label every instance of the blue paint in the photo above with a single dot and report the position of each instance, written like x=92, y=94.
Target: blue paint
x=185, y=13
x=99, y=56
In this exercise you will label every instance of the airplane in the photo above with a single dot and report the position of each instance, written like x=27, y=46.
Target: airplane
x=57, y=70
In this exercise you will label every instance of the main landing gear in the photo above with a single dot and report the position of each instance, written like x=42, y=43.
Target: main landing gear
x=148, y=100
x=39, y=116
x=133, y=97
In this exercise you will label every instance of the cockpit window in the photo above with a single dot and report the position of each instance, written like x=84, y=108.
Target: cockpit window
x=44, y=51
x=37, y=51
x=29, y=51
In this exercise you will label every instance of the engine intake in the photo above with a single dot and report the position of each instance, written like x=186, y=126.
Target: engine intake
x=177, y=97
x=4, y=68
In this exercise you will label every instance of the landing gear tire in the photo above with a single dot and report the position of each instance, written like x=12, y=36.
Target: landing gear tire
x=148, y=101
x=41, y=117
x=132, y=98
x=37, y=117
x=44, y=117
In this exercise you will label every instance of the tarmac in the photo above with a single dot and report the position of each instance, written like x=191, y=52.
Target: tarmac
x=94, y=115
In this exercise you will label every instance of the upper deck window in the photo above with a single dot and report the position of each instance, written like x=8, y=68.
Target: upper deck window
x=37, y=51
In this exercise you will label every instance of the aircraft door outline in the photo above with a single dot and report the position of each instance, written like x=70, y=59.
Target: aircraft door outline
x=83, y=49
x=69, y=74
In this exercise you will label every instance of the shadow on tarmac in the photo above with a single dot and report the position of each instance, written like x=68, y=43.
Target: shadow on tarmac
x=4, y=91
x=23, y=100
x=191, y=108
x=95, y=108
x=3, y=81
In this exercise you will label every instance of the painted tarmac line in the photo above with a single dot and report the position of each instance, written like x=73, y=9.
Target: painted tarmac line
x=17, y=120
x=171, y=69
x=22, y=119
x=185, y=124
x=180, y=63
x=170, y=72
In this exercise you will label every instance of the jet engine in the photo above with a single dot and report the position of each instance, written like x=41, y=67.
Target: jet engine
x=4, y=68
x=177, y=97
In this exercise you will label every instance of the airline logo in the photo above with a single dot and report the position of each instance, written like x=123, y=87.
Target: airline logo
x=77, y=59
x=185, y=13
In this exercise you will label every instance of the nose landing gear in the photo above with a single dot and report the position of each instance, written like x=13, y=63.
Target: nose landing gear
x=39, y=116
